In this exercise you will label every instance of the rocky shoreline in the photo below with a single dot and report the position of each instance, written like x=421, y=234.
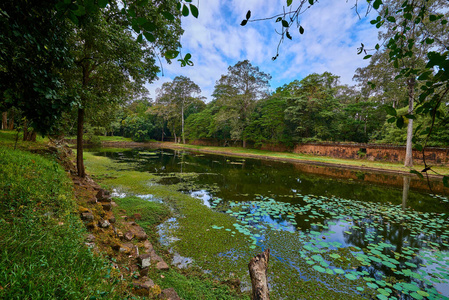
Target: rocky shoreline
x=120, y=238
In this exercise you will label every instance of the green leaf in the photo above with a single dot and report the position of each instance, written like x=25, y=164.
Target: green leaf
x=288, y=35
x=248, y=15
x=194, y=10
x=103, y=3
x=433, y=18
x=391, y=19
x=243, y=23
x=417, y=173
x=188, y=56
x=171, y=54
x=377, y=47
x=391, y=111
x=377, y=4
x=367, y=56
x=311, y=2
x=400, y=122
x=301, y=30
x=168, y=16
x=149, y=36
x=279, y=19
x=446, y=181
x=284, y=23
x=289, y=2
x=139, y=38
x=185, y=10
x=391, y=120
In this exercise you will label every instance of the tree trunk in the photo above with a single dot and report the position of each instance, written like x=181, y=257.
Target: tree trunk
x=408, y=162
x=79, y=144
x=11, y=120
x=182, y=124
x=244, y=143
x=176, y=139
x=25, y=130
x=258, y=273
x=4, y=120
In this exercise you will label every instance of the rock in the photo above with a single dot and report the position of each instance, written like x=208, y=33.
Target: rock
x=103, y=196
x=141, y=235
x=112, y=220
x=144, y=260
x=144, y=272
x=90, y=238
x=125, y=250
x=162, y=265
x=104, y=223
x=154, y=256
x=148, y=283
x=169, y=294
x=87, y=216
x=128, y=236
x=147, y=245
x=106, y=206
x=143, y=286
x=92, y=200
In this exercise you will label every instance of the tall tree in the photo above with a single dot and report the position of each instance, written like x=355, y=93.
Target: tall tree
x=33, y=51
x=181, y=92
x=238, y=91
x=111, y=64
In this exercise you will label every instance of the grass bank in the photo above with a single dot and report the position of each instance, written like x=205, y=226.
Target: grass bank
x=42, y=250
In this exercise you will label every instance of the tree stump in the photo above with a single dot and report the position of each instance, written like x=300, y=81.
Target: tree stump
x=258, y=273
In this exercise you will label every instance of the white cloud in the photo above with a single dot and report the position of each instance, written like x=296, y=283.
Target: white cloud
x=216, y=40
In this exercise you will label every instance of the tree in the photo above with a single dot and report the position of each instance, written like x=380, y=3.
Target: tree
x=34, y=50
x=408, y=19
x=238, y=91
x=181, y=93
x=312, y=106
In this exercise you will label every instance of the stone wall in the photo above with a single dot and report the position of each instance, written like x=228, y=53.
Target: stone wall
x=373, y=152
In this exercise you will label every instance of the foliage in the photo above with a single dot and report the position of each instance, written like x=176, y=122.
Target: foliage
x=34, y=49
x=42, y=251
x=237, y=93
x=180, y=94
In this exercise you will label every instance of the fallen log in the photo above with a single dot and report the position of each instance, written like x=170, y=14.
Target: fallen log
x=258, y=273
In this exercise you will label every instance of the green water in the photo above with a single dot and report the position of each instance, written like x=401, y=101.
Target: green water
x=383, y=240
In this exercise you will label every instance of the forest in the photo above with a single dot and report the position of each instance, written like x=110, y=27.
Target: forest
x=81, y=68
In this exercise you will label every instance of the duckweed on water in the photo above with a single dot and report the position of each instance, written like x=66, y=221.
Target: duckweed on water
x=401, y=253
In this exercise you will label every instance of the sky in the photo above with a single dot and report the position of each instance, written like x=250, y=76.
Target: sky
x=333, y=32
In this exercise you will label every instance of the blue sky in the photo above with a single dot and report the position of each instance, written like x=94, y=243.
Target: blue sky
x=333, y=32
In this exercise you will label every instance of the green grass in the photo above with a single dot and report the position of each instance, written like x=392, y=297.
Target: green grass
x=8, y=139
x=42, y=251
x=114, y=139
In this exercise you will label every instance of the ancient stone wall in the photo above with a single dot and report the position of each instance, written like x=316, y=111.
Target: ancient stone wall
x=373, y=152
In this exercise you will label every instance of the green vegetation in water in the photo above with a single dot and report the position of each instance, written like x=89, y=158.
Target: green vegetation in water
x=196, y=240
x=42, y=250
x=311, y=264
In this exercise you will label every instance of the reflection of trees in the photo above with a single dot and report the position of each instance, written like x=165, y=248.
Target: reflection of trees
x=405, y=190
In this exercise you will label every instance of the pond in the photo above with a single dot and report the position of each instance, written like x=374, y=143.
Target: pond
x=358, y=234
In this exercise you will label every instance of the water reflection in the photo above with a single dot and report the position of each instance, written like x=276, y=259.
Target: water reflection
x=391, y=226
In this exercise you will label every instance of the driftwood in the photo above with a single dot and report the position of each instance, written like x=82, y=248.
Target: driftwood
x=258, y=273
